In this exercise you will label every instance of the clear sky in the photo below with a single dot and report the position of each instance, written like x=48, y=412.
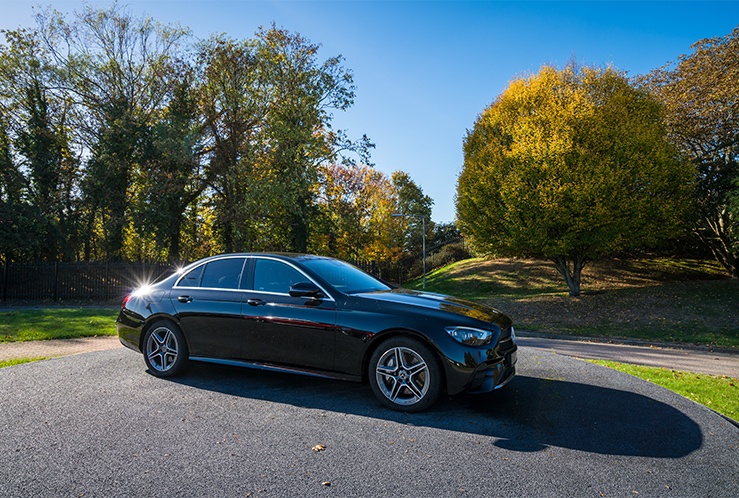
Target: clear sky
x=425, y=70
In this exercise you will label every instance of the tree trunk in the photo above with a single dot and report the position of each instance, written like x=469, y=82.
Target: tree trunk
x=719, y=239
x=570, y=267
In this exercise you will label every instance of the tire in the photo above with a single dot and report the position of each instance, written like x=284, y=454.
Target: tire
x=165, y=349
x=405, y=375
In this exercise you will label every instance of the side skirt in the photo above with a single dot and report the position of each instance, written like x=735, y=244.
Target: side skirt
x=275, y=368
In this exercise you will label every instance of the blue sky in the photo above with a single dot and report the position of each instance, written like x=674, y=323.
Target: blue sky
x=425, y=70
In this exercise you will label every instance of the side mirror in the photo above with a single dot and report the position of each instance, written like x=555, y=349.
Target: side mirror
x=306, y=289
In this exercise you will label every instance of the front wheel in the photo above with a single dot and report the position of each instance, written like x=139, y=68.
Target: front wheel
x=165, y=349
x=405, y=375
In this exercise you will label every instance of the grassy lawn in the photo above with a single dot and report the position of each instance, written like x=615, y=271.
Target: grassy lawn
x=56, y=323
x=718, y=393
x=18, y=361
x=658, y=299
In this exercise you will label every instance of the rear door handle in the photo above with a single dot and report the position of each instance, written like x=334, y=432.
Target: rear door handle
x=184, y=299
x=256, y=302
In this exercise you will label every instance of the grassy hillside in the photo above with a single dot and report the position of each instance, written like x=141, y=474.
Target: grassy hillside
x=661, y=299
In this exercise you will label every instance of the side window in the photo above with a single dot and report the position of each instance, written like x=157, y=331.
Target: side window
x=275, y=276
x=192, y=279
x=223, y=273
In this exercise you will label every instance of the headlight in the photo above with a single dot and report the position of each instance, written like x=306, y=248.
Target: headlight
x=471, y=336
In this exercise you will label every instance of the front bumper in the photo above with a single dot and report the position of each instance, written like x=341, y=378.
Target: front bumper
x=491, y=377
x=481, y=371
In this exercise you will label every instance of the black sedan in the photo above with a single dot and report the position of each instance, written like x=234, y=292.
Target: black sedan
x=321, y=316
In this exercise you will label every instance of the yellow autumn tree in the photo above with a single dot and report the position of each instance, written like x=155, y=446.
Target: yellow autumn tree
x=571, y=165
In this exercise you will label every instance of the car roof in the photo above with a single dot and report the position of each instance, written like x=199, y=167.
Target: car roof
x=285, y=256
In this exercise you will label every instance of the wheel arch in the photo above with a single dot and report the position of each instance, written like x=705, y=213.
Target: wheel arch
x=385, y=336
x=150, y=321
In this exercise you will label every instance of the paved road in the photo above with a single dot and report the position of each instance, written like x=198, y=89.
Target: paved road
x=700, y=360
x=98, y=425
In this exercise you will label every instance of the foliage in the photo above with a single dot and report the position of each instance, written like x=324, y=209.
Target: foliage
x=35, y=142
x=570, y=165
x=118, y=67
x=416, y=206
x=56, y=323
x=121, y=138
x=699, y=93
x=718, y=393
x=354, y=219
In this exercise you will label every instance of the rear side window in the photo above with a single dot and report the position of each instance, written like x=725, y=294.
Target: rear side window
x=222, y=274
x=275, y=276
x=192, y=279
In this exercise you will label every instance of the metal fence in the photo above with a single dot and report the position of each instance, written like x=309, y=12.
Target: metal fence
x=96, y=281
x=104, y=281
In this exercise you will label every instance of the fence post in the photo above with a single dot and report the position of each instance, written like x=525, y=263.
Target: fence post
x=5, y=279
x=107, y=280
x=55, y=288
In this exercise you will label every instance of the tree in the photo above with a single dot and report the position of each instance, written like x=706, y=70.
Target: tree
x=267, y=106
x=298, y=130
x=41, y=143
x=570, y=165
x=355, y=220
x=417, y=206
x=701, y=98
x=234, y=102
x=173, y=177
x=118, y=68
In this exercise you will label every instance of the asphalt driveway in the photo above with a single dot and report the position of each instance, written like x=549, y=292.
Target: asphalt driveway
x=97, y=424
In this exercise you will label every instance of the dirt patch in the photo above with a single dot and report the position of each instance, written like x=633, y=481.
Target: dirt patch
x=656, y=298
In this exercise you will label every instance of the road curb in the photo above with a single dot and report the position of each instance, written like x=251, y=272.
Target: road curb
x=631, y=342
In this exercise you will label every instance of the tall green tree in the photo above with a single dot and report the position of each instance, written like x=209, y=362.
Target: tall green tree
x=571, y=165
x=267, y=104
x=173, y=177
x=701, y=98
x=14, y=215
x=118, y=68
x=416, y=205
x=42, y=143
x=299, y=138
x=234, y=103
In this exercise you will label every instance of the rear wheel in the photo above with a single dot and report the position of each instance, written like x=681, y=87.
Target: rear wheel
x=405, y=375
x=165, y=349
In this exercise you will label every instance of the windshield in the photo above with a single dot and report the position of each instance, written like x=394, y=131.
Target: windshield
x=344, y=277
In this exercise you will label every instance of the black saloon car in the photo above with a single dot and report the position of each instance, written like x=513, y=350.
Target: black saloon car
x=318, y=315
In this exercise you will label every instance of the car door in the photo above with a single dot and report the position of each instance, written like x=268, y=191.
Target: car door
x=208, y=303
x=286, y=330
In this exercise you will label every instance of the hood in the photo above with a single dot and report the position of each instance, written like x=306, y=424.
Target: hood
x=443, y=303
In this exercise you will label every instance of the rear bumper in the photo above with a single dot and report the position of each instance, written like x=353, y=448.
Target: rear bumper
x=129, y=326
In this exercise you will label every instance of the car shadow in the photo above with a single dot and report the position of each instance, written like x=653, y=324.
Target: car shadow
x=529, y=414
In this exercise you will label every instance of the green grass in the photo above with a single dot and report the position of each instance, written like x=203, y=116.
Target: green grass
x=473, y=279
x=655, y=299
x=718, y=393
x=18, y=361
x=703, y=312
x=56, y=323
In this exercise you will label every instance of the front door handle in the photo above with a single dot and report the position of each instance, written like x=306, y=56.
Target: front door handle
x=185, y=299
x=256, y=302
